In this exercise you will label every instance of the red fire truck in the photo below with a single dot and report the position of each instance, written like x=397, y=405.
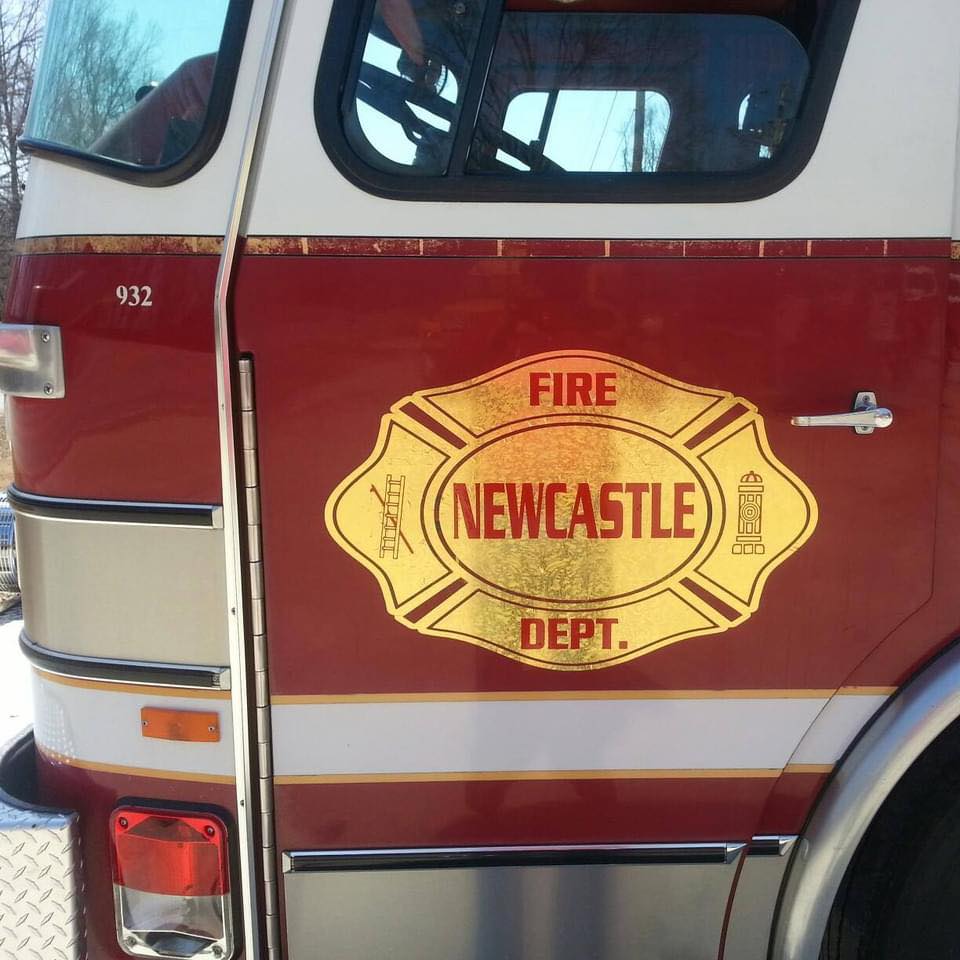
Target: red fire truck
x=485, y=482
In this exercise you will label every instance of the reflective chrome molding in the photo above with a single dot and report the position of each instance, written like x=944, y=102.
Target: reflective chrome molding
x=309, y=861
x=116, y=511
x=755, y=898
x=771, y=846
x=142, y=672
x=909, y=723
x=31, y=361
x=92, y=570
x=542, y=903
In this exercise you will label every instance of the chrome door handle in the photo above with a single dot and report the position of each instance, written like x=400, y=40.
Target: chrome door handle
x=865, y=418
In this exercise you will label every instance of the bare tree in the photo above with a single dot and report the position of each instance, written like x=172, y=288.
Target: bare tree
x=94, y=61
x=93, y=64
x=21, y=26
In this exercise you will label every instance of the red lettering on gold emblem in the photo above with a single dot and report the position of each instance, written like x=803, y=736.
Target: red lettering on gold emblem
x=682, y=509
x=560, y=511
x=573, y=389
x=583, y=513
x=562, y=633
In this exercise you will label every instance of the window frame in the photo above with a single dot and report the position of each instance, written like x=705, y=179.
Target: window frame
x=339, y=65
x=214, y=124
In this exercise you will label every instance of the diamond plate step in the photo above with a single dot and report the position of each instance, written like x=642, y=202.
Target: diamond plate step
x=41, y=907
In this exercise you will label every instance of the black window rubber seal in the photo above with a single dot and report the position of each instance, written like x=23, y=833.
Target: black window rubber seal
x=344, y=41
x=214, y=123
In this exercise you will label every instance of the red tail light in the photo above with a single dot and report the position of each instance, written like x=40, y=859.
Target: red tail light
x=171, y=883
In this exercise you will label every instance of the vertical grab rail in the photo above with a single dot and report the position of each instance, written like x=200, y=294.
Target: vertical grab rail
x=244, y=717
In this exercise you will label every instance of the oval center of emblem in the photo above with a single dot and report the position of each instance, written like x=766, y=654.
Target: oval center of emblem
x=573, y=512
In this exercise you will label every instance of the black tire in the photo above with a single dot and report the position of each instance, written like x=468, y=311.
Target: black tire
x=900, y=899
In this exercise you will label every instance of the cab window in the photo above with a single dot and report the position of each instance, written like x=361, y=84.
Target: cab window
x=409, y=88
x=597, y=75
x=134, y=85
x=599, y=99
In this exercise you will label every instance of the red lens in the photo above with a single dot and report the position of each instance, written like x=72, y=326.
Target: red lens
x=169, y=853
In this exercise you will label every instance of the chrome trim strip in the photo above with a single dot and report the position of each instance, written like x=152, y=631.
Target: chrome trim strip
x=922, y=710
x=753, y=899
x=31, y=361
x=116, y=511
x=413, y=858
x=244, y=721
x=140, y=672
x=771, y=846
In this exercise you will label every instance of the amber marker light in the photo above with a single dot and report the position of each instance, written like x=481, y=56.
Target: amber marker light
x=192, y=726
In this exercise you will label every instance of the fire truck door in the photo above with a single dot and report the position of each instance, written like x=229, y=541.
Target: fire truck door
x=556, y=574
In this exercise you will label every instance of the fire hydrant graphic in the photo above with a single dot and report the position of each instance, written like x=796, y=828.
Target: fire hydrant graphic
x=749, y=516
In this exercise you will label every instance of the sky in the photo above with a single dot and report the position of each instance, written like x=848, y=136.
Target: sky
x=186, y=28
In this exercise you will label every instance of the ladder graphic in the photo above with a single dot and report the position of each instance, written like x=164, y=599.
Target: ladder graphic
x=392, y=512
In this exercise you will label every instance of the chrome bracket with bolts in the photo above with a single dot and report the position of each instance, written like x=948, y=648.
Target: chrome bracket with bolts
x=31, y=361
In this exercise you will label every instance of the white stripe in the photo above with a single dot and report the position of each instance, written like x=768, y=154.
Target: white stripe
x=103, y=726
x=489, y=736
x=834, y=730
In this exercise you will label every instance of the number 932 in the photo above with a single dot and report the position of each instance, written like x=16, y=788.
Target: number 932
x=135, y=296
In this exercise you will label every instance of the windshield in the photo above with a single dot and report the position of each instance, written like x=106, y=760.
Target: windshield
x=128, y=80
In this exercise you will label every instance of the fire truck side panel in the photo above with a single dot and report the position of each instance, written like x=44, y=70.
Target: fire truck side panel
x=367, y=714
x=333, y=270
x=138, y=421
x=120, y=468
x=426, y=790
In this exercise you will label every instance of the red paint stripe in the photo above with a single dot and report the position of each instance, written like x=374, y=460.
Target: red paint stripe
x=928, y=249
x=365, y=246
x=344, y=816
x=734, y=413
x=847, y=248
x=418, y=613
x=425, y=420
x=545, y=248
x=791, y=801
x=646, y=248
x=785, y=248
x=284, y=246
x=724, y=609
x=553, y=248
x=722, y=248
x=292, y=246
x=476, y=247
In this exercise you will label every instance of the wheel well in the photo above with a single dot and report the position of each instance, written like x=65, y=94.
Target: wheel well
x=924, y=796
x=896, y=780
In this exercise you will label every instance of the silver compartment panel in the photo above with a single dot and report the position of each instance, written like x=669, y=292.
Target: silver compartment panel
x=607, y=911
x=127, y=590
